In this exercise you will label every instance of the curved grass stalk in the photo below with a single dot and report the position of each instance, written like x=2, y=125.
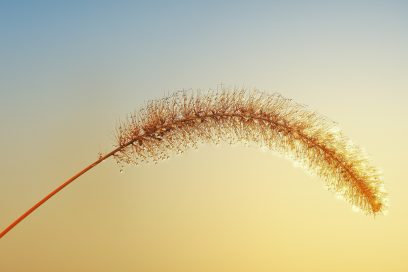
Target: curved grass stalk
x=181, y=121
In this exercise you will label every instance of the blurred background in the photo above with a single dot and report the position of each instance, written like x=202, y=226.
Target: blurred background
x=70, y=71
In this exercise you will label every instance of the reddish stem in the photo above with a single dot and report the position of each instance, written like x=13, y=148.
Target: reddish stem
x=56, y=190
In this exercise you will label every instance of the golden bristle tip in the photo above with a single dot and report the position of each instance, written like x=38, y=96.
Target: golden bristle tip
x=186, y=118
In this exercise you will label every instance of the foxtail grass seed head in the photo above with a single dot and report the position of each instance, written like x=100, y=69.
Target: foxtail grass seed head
x=181, y=121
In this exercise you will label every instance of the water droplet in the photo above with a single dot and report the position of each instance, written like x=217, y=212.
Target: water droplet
x=356, y=208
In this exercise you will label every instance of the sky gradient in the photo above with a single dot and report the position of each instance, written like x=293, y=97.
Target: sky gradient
x=69, y=72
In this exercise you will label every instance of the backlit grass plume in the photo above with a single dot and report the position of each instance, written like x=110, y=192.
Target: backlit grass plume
x=183, y=120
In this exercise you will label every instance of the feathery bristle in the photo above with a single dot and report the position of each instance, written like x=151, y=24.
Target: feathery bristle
x=182, y=120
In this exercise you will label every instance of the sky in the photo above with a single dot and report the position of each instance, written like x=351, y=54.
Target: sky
x=70, y=71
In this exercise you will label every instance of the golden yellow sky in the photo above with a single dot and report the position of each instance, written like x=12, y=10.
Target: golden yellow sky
x=69, y=73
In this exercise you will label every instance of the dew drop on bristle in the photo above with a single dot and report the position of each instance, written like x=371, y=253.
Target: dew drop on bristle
x=356, y=209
